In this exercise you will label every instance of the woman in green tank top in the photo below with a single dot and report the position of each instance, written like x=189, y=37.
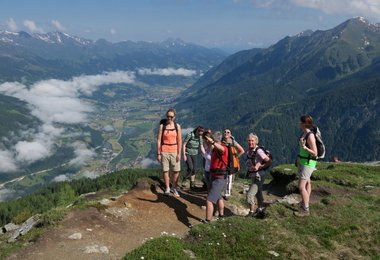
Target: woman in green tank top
x=306, y=163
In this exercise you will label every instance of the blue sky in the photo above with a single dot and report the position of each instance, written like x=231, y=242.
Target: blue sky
x=227, y=24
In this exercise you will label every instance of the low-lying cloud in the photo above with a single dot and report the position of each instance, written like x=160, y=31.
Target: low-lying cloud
x=147, y=162
x=6, y=194
x=367, y=8
x=167, y=72
x=56, y=103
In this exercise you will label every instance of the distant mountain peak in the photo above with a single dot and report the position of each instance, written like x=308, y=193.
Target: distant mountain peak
x=58, y=37
x=173, y=42
x=305, y=33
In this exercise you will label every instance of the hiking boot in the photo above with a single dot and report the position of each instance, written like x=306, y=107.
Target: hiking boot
x=183, y=184
x=302, y=213
x=175, y=192
x=260, y=213
x=205, y=221
x=251, y=214
x=167, y=192
x=192, y=185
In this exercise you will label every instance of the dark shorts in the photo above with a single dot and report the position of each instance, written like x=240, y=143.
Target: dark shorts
x=217, y=187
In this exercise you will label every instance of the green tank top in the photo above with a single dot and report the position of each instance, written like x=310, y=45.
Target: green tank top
x=303, y=158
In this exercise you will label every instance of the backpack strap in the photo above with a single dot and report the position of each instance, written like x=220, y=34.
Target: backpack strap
x=164, y=128
x=308, y=157
x=221, y=159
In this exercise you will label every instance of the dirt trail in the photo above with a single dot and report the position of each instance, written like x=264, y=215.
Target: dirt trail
x=124, y=225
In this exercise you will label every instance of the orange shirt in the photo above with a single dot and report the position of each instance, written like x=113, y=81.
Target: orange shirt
x=169, y=141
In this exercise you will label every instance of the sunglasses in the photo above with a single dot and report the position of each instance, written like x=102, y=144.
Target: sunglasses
x=227, y=132
x=170, y=117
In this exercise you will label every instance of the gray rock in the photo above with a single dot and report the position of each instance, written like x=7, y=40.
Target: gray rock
x=96, y=249
x=239, y=210
x=76, y=236
x=105, y=202
x=290, y=199
x=10, y=227
x=25, y=227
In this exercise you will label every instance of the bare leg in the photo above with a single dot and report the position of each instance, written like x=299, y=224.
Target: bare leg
x=209, y=210
x=166, y=179
x=221, y=207
x=304, y=192
x=175, y=179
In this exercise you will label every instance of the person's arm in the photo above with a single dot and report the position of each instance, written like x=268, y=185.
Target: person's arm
x=185, y=141
x=264, y=158
x=217, y=146
x=159, y=136
x=201, y=146
x=240, y=149
x=312, y=144
x=179, y=142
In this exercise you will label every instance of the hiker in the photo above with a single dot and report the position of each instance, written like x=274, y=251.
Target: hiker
x=257, y=162
x=207, y=158
x=218, y=173
x=306, y=163
x=169, y=143
x=237, y=151
x=192, y=144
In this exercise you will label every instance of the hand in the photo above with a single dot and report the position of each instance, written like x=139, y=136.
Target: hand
x=302, y=142
x=159, y=157
x=209, y=139
x=178, y=158
x=185, y=158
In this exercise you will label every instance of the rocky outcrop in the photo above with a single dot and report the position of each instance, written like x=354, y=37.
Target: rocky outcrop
x=25, y=228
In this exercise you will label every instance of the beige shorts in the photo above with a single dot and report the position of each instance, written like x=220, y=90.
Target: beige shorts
x=304, y=172
x=168, y=162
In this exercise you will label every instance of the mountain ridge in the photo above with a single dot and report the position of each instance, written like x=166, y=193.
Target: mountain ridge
x=293, y=71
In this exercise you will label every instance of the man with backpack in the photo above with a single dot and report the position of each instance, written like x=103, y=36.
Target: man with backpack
x=218, y=172
x=236, y=151
x=257, y=161
x=169, y=144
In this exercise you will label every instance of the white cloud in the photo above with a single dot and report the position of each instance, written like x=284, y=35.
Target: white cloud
x=6, y=194
x=32, y=26
x=146, y=162
x=57, y=25
x=82, y=154
x=11, y=24
x=54, y=102
x=61, y=178
x=28, y=152
x=90, y=175
x=113, y=31
x=167, y=72
x=7, y=163
x=367, y=8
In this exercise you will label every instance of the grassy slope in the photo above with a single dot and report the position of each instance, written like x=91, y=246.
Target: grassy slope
x=345, y=224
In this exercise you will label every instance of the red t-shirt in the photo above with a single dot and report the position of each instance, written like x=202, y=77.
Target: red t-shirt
x=219, y=161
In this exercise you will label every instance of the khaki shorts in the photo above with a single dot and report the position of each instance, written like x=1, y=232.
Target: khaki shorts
x=304, y=172
x=168, y=162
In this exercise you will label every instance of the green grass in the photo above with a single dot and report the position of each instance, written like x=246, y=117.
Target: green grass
x=344, y=224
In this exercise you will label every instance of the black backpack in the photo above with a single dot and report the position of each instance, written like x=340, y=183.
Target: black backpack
x=321, y=149
x=163, y=123
x=253, y=157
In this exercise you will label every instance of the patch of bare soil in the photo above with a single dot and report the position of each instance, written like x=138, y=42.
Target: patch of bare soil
x=123, y=225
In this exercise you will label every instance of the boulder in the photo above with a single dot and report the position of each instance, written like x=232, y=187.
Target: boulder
x=25, y=228
x=76, y=236
x=10, y=227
